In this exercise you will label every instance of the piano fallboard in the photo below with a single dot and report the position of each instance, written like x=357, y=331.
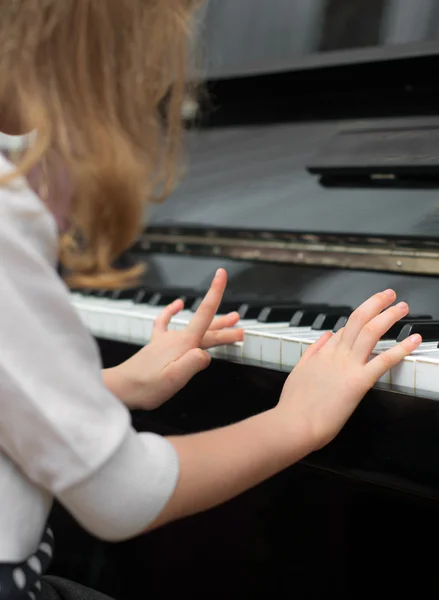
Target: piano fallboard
x=390, y=441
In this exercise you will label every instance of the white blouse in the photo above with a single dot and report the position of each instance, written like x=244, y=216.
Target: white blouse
x=62, y=433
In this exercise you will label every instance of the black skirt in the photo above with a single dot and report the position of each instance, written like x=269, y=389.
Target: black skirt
x=27, y=580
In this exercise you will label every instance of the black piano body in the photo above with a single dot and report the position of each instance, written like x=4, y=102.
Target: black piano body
x=365, y=507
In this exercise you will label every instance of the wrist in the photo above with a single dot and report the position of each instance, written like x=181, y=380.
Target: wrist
x=293, y=433
x=120, y=386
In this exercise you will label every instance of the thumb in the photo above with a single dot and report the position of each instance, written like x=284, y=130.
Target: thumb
x=183, y=369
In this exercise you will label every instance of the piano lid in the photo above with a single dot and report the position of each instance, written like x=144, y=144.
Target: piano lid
x=256, y=178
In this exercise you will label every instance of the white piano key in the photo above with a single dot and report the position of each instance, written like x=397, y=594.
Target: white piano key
x=272, y=344
x=427, y=375
x=275, y=345
x=181, y=320
x=95, y=315
x=291, y=349
x=218, y=352
x=403, y=376
x=234, y=351
x=256, y=335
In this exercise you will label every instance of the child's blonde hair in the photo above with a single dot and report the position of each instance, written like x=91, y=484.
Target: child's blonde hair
x=102, y=84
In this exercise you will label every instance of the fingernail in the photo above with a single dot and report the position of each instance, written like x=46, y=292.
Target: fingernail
x=402, y=306
x=390, y=293
x=416, y=339
x=218, y=273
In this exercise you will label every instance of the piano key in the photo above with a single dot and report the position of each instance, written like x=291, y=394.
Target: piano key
x=429, y=330
x=394, y=331
x=252, y=329
x=289, y=343
x=225, y=307
x=165, y=297
x=427, y=375
x=326, y=321
x=271, y=348
x=293, y=346
x=340, y=323
x=306, y=316
x=250, y=311
x=245, y=309
x=143, y=296
x=408, y=318
x=127, y=294
x=275, y=345
x=284, y=313
x=264, y=345
x=257, y=335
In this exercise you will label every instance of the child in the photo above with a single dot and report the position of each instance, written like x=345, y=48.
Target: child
x=101, y=82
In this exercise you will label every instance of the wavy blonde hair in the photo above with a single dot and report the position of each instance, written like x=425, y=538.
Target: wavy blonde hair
x=102, y=83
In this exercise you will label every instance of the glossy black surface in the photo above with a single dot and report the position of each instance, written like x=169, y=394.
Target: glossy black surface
x=391, y=440
x=326, y=321
x=395, y=330
x=285, y=313
x=306, y=316
x=429, y=330
x=363, y=510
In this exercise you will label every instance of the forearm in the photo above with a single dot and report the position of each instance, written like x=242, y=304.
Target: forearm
x=218, y=465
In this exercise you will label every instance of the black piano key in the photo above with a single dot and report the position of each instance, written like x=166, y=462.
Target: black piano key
x=250, y=311
x=101, y=293
x=306, y=316
x=143, y=296
x=163, y=299
x=156, y=297
x=251, y=308
x=341, y=322
x=128, y=294
x=83, y=291
x=429, y=330
x=395, y=330
x=284, y=313
x=245, y=308
x=389, y=335
x=226, y=306
x=327, y=320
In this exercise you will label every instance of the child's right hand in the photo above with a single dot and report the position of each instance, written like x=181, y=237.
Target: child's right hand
x=336, y=372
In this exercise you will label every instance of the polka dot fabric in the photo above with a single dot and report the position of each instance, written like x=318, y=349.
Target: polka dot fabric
x=20, y=581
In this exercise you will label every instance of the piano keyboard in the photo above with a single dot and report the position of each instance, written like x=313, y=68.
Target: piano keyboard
x=274, y=337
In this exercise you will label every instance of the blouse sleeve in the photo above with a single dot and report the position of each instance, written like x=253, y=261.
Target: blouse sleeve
x=59, y=423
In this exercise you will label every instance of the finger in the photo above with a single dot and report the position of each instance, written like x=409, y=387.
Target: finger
x=225, y=321
x=162, y=321
x=221, y=338
x=315, y=347
x=179, y=372
x=382, y=363
x=203, y=317
x=373, y=331
x=364, y=313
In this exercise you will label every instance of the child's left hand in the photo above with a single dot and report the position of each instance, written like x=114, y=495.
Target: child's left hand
x=163, y=367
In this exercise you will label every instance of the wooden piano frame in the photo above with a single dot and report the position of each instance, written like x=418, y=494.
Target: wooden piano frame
x=389, y=253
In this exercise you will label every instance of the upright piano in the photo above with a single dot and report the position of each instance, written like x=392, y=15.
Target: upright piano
x=315, y=185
